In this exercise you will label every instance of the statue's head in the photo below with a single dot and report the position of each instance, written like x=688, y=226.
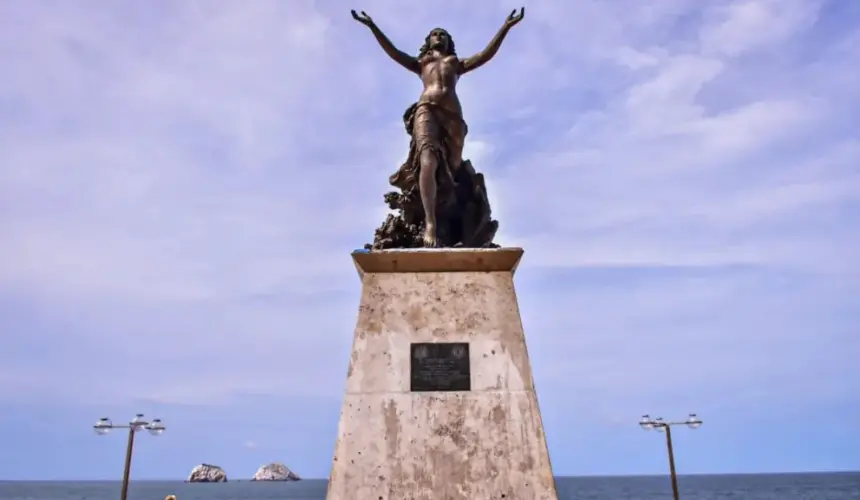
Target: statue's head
x=439, y=40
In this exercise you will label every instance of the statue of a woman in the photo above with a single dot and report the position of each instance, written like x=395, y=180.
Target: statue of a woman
x=436, y=122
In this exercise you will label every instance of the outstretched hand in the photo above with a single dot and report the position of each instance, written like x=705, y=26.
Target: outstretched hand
x=363, y=18
x=515, y=18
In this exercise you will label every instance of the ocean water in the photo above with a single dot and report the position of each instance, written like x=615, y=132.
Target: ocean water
x=823, y=486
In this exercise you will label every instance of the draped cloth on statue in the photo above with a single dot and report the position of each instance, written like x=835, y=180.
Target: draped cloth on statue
x=433, y=127
x=463, y=208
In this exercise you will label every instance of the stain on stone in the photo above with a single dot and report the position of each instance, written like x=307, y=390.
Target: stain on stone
x=498, y=415
x=392, y=428
x=415, y=317
x=527, y=464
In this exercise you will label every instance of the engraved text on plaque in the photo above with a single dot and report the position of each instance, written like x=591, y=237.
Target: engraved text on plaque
x=440, y=367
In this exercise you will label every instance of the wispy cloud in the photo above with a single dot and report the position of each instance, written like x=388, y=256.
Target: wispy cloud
x=181, y=184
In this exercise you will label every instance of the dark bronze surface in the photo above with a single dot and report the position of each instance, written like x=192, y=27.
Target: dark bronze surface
x=440, y=367
x=442, y=200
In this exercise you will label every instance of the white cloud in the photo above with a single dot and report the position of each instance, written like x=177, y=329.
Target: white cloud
x=741, y=27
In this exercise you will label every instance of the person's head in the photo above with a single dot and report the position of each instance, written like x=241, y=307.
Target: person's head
x=439, y=40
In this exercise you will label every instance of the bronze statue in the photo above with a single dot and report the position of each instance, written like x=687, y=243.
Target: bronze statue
x=449, y=206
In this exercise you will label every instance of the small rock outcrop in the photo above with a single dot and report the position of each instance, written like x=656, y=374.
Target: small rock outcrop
x=275, y=472
x=207, y=473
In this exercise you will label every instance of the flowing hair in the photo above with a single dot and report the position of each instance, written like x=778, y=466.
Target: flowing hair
x=452, y=51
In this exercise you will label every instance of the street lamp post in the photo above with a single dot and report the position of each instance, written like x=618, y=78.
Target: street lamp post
x=155, y=427
x=658, y=424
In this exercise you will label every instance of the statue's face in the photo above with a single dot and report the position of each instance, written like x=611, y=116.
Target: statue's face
x=439, y=40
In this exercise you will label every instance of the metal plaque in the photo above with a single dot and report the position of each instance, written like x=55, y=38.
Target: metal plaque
x=440, y=367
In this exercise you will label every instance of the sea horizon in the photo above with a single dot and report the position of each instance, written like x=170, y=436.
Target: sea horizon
x=821, y=485
x=566, y=476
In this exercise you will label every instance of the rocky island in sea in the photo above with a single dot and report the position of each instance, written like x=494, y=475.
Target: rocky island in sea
x=275, y=472
x=207, y=473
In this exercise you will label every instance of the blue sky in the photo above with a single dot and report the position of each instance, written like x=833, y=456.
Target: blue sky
x=181, y=184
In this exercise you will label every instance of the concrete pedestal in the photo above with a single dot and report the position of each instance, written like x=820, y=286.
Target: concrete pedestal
x=482, y=441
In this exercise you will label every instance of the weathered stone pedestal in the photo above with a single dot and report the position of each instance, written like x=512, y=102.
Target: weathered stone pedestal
x=440, y=403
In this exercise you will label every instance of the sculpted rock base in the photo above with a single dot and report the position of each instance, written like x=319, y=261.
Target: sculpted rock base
x=463, y=213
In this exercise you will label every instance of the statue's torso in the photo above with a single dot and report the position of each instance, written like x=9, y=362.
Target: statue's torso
x=439, y=75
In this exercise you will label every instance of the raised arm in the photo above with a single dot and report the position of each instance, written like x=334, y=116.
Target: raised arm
x=400, y=57
x=484, y=56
